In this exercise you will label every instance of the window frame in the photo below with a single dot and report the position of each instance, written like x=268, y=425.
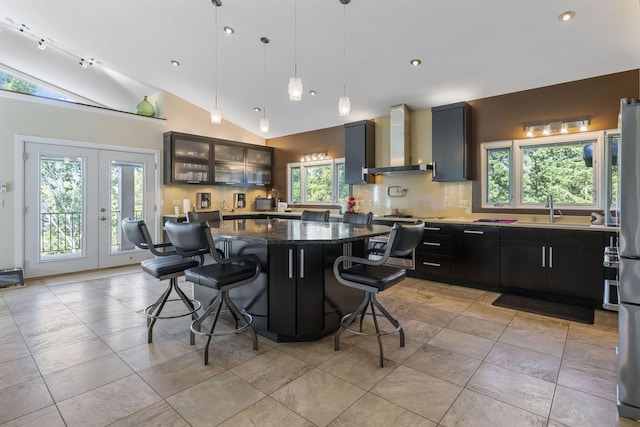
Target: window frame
x=516, y=167
x=303, y=181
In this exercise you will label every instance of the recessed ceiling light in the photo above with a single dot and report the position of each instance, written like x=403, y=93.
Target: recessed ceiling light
x=415, y=62
x=257, y=109
x=229, y=30
x=175, y=63
x=313, y=92
x=567, y=16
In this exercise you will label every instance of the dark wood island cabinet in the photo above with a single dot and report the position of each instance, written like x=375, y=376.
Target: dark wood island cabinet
x=296, y=297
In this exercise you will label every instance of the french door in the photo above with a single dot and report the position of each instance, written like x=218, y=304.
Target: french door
x=75, y=199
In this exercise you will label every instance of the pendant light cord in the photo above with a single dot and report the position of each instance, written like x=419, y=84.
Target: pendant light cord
x=295, y=39
x=264, y=76
x=344, y=48
x=216, y=55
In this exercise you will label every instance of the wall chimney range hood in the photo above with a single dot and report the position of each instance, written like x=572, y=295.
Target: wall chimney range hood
x=399, y=145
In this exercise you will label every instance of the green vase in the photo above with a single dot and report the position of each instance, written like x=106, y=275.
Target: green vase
x=145, y=108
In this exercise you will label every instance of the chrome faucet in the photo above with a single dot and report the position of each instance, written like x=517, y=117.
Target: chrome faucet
x=549, y=204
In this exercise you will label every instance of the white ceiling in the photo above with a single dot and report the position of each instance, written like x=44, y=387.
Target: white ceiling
x=470, y=49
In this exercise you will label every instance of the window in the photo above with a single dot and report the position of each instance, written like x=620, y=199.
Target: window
x=520, y=173
x=316, y=182
x=13, y=83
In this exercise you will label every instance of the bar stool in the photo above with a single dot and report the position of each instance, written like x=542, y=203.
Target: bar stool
x=357, y=218
x=317, y=216
x=167, y=265
x=225, y=274
x=372, y=276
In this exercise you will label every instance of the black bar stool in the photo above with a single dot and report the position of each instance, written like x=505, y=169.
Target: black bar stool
x=225, y=274
x=167, y=265
x=317, y=216
x=357, y=218
x=372, y=276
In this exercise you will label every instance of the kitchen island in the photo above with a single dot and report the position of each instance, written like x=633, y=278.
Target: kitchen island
x=296, y=297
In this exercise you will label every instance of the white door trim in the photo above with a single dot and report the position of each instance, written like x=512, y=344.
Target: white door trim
x=21, y=140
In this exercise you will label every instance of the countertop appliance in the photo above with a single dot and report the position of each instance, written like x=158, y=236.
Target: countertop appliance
x=239, y=200
x=263, y=204
x=629, y=286
x=203, y=200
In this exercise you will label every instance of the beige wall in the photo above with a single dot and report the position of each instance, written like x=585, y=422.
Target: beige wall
x=25, y=115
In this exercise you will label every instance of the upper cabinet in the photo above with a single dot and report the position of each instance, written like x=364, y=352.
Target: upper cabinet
x=359, y=140
x=192, y=159
x=451, y=138
x=187, y=159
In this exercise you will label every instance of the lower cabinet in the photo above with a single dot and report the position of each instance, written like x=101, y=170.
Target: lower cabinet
x=433, y=254
x=564, y=263
x=296, y=280
x=476, y=256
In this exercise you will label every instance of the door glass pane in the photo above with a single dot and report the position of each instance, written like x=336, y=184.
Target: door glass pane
x=564, y=170
x=61, y=205
x=498, y=173
x=127, y=200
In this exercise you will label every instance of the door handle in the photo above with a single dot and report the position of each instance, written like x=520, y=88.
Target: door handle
x=434, y=170
x=431, y=243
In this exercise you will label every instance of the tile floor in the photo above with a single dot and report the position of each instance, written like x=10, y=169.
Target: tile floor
x=73, y=352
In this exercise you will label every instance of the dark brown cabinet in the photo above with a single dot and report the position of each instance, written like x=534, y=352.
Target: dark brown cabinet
x=193, y=159
x=359, y=142
x=297, y=281
x=187, y=159
x=564, y=263
x=476, y=256
x=451, y=133
x=433, y=254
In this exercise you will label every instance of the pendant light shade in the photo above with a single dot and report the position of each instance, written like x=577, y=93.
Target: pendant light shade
x=264, y=125
x=216, y=116
x=295, y=83
x=295, y=89
x=264, y=122
x=344, y=106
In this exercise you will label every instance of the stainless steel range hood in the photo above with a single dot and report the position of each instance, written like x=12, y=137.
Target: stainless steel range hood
x=399, y=145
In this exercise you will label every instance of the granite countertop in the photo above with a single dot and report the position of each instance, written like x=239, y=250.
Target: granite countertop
x=285, y=231
x=540, y=222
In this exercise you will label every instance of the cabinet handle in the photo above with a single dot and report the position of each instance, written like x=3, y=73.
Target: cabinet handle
x=302, y=263
x=431, y=243
x=432, y=228
x=290, y=263
x=434, y=170
x=473, y=232
x=193, y=182
x=544, y=256
x=431, y=264
x=550, y=256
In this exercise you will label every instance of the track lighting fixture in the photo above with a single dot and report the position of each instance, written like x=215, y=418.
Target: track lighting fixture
x=41, y=44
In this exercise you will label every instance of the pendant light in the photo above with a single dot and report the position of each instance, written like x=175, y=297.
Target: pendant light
x=216, y=113
x=295, y=83
x=344, y=105
x=264, y=122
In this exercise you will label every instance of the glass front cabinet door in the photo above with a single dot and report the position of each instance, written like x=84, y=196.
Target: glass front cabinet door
x=187, y=159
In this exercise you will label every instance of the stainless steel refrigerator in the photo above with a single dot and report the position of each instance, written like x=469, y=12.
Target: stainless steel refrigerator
x=629, y=289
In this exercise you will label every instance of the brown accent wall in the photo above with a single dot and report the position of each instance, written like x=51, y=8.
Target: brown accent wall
x=502, y=117
x=290, y=148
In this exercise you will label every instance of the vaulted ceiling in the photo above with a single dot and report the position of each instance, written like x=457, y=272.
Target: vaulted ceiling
x=469, y=49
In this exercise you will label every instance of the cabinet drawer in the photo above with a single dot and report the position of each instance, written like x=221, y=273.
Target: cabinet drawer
x=433, y=265
x=435, y=244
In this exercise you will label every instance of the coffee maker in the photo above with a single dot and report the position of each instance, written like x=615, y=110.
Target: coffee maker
x=203, y=200
x=239, y=200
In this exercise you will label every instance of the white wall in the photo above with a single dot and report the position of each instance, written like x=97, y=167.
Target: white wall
x=27, y=115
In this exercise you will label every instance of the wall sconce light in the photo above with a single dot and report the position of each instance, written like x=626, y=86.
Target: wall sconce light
x=310, y=157
x=552, y=127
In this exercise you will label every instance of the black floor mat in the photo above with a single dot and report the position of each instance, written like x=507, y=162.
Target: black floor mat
x=546, y=308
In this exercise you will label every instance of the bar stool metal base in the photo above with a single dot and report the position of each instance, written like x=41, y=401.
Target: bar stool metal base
x=153, y=311
x=347, y=320
x=216, y=306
